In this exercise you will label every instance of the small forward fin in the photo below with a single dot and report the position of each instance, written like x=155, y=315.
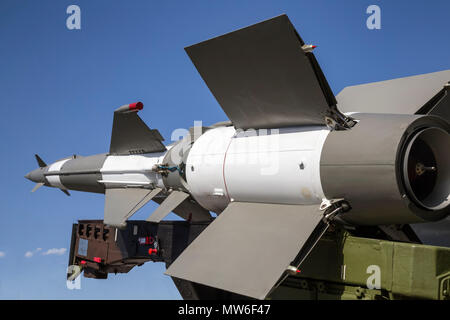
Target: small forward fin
x=37, y=186
x=40, y=162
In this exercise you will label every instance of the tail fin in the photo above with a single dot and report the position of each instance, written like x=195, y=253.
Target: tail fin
x=402, y=95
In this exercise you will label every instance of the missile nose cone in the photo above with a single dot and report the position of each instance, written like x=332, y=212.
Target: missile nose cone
x=36, y=175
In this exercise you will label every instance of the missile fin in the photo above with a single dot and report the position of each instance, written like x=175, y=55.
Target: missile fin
x=37, y=186
x=121, y=204
x=169, y=204
x=40, y=162
x=248, y=247
x=65, y=191
x=146, y=199
x=130, y=135
x=262, y=78
x=405, y=95
x=439, y=105
x=189, y=210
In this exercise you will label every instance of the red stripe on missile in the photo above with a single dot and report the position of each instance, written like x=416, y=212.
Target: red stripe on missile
x=136, y=106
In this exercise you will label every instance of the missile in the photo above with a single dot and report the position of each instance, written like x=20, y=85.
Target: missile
x=292, y=160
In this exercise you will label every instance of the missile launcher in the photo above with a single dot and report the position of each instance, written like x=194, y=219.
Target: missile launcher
x=292, y=162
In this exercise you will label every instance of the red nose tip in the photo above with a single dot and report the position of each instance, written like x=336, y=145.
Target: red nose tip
x=136, y=106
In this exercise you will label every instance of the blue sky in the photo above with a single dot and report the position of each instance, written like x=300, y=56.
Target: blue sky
x=59, y=88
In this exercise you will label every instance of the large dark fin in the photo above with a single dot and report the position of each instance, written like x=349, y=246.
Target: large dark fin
x=263, y=78
x=130, y=135
x=248, y=247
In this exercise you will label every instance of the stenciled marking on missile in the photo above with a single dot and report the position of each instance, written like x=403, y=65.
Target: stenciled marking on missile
x=218, y=192
x=374, y=280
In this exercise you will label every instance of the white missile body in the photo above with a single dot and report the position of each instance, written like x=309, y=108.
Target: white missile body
x=274, y=165
x=124, y=171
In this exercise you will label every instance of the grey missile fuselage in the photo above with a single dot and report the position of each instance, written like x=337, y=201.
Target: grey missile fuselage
x=77, y=173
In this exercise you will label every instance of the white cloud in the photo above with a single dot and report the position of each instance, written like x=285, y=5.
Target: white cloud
x=29, y=254
x=2, y=254
x=56, y=251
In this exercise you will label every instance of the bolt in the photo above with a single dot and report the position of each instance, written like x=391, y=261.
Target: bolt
x=304, y=284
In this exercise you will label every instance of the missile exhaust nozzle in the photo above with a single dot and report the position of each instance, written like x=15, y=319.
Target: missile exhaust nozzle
x=396, y=175
x=426, y=173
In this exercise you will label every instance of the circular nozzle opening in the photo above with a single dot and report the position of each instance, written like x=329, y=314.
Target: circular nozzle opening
x=426, y=168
